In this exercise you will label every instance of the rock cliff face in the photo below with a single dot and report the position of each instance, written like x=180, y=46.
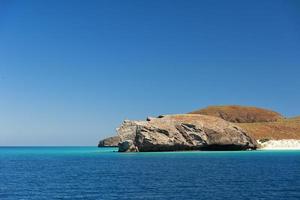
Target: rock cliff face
x=240, y=114
x=110, y=142
x=183, y=132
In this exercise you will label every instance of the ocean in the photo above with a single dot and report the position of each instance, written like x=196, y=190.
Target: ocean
x=102, y=173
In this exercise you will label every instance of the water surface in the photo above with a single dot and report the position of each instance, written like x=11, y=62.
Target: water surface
x=102, y=173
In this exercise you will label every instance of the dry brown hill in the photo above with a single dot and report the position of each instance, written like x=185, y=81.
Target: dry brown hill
x=240, y=114
x=282, y=129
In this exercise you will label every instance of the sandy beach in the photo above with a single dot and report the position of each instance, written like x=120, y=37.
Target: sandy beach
x=287, y=144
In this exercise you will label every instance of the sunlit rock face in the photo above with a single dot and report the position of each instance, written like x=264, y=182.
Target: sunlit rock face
x=182, y=132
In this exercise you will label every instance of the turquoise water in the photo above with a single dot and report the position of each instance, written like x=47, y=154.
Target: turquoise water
x=102, y=173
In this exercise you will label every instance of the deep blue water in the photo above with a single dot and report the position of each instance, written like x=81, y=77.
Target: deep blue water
x=92, y=173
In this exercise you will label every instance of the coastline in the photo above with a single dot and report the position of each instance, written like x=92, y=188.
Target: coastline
x=285, y=144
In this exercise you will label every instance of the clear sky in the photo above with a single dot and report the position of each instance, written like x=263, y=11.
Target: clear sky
x=72, y=71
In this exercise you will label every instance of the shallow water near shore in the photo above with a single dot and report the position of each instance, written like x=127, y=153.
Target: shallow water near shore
x=103, y=173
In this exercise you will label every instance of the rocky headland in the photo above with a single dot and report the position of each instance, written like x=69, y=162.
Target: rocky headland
x=110, y=142
x=211, y=128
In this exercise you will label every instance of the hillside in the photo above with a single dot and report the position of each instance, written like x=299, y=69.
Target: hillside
x=258, y=122
x=282, y=129
x=240, y=114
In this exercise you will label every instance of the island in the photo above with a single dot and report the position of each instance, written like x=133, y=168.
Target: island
x=214, y=128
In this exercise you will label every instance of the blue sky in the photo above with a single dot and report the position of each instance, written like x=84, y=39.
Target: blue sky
x=72, y=71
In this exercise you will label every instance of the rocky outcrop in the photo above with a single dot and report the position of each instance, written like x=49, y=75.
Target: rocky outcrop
x=109, y=142
x=183, y=132
x=240, y=114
